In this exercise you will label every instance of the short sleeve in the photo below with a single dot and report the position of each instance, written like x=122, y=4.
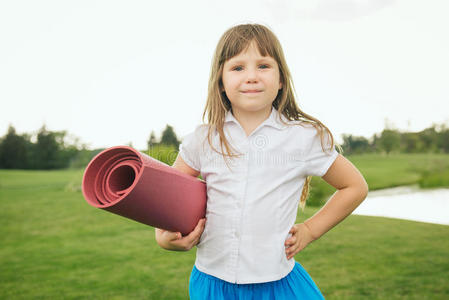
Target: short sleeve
x=189, y=149
x=317, y=160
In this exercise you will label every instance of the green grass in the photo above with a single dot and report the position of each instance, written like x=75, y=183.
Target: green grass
x=436, y=179
x=385, y=171
x=54, y=245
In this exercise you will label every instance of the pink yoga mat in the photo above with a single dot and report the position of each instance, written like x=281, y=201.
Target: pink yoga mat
x=134, y=185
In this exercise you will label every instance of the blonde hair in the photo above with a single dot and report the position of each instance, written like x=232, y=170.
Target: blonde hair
x=234, y=41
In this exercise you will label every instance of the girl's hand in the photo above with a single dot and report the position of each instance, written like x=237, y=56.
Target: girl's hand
x=301, y=237
x=170, y=240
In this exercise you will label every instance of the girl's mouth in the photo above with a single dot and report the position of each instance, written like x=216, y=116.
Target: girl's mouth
x=251, y=91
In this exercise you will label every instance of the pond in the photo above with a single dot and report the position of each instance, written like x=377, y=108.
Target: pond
x=408, y=202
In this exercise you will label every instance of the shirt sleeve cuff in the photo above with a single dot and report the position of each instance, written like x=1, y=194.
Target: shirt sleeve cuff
x=187, y=161
x=328, y=163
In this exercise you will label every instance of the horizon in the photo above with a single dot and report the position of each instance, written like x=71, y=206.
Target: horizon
x=158, y=136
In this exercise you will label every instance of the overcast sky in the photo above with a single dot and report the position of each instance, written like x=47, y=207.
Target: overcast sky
x=109, y=72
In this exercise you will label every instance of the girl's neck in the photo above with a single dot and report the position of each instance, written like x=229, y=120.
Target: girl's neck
x=251, y=120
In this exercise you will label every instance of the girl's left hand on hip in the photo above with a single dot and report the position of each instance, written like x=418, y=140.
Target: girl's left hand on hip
x=300, y=238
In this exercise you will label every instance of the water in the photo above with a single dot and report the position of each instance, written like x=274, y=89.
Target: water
x=409, y=203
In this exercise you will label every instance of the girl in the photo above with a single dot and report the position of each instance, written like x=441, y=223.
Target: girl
x=257, y=152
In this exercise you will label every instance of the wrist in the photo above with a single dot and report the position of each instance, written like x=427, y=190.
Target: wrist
x=312, y=234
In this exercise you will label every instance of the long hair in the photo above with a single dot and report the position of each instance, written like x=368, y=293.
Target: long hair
x=233, y=42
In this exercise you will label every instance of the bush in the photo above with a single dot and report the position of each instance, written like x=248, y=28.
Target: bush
x=164, y=153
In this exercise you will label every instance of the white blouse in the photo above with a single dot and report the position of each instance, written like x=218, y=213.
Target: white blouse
x=252, y=206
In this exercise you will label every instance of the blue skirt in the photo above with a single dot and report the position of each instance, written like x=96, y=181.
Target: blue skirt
x=296, y=285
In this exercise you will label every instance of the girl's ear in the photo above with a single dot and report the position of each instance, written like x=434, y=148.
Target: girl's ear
x=280, y=85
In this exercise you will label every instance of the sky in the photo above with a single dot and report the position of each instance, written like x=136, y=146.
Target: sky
x=110, y=72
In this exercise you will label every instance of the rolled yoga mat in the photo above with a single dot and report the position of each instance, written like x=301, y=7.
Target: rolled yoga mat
x=134, y=185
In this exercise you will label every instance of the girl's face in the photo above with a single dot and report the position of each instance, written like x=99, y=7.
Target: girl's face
x=251, y=81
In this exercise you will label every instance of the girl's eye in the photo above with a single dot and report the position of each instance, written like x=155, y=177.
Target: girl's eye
x=264, y=66
x=238, y=68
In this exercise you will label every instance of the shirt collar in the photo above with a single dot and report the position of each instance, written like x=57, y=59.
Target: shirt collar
x=273, y=119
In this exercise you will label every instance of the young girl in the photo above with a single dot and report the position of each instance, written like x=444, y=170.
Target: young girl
x=257, y=154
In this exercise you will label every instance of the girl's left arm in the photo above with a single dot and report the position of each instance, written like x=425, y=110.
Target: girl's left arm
x=352, y=189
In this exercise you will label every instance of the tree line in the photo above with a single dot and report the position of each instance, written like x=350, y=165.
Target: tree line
x=46, y=150
x=57, y=149
x=434, y=139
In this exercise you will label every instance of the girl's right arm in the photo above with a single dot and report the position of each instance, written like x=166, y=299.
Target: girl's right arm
x=174, y=240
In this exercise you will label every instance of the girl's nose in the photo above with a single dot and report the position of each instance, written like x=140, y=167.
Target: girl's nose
x=251, y=76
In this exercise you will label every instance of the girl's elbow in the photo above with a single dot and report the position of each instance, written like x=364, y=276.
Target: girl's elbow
x=364, y=188
x=157, y=233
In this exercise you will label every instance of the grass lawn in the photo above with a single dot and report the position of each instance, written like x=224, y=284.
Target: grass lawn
x=385, y=171
x=54, y=245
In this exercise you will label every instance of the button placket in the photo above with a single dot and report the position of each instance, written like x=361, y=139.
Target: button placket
x=241, y=201
x=232, y=258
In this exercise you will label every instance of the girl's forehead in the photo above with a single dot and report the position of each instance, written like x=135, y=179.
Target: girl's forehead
x=251, y=50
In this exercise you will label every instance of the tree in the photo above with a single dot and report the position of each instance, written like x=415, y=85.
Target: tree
x=13, y=150
x=46, y=150
x=410, y=142
x=389, y=140
x=443, y=139
x=169, y=137
x=429, y=139
x=152, y=140
x=355, y=144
